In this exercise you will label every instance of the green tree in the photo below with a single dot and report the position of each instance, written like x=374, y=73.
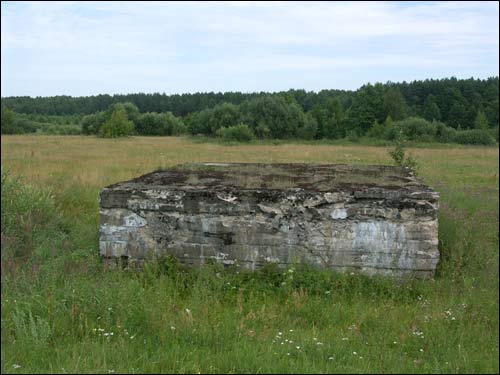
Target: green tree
x=283, y=119
x=367, y=107
x=456, y=115
x=481, y=121
x=8, y=121
x=309, y=127
x=395, y=104
x=91, y=124
x=223, y=115
x=118, y=125
x=333, y=125
x=431, y=109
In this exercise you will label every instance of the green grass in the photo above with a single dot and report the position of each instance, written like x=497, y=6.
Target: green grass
x=59, y=306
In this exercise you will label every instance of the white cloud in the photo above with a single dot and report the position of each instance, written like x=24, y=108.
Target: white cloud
x=113, y=39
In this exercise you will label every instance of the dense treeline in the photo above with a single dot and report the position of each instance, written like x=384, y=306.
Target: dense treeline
x=430, y=110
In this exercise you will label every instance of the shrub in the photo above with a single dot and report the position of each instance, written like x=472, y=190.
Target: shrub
x=399, y=157
x=8, y=121
x=309, y=128
x=377, y=131
x=91, y=124
x=117, y=126
x=474, y=137
x=417, y=129
x=240, y=133
x=283, y=117
x=393, y=132
x=445, y=134
x=352, y=136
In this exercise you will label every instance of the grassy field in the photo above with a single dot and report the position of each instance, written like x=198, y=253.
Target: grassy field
x=61, y=312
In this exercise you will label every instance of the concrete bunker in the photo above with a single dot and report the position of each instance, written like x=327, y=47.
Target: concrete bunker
x=370, y=218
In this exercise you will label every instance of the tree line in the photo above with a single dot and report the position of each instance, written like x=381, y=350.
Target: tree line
x=430, y=110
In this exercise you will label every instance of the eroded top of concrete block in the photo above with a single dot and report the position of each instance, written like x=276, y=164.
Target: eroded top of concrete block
x=254, y=176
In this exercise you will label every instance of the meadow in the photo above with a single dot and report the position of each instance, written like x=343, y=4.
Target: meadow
x=62, y=312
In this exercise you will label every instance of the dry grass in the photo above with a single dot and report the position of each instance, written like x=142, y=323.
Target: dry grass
x=95, y=162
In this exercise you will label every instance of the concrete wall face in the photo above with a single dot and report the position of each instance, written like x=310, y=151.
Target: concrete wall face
x=388, y=230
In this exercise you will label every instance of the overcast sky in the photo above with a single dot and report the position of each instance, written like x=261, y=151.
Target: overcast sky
x=88, y=48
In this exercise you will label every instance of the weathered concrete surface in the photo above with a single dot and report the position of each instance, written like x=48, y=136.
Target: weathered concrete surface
x=375, y=219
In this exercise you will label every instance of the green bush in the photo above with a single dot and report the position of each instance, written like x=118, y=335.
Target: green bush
x=117, y=126
x=91, y=124
x=239, y=133
x=398, y=154
x=474, y=137
x=8, y=121
x=377, y=131
x=417, y=129
x=309, y=128
x=352, y=136
x=445, y=134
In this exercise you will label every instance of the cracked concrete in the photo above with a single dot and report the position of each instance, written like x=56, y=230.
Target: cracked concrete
x=374, y=219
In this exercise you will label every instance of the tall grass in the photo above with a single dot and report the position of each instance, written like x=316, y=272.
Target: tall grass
x=62, y=312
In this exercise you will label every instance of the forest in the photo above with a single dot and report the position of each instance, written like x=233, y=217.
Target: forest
x=450, y=110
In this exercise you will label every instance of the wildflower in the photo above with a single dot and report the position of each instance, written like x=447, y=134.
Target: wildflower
x=280, y=333
x=330, y=358
x=291, y=330
x=344, y=339
x=422, y=350
x=315, y=339
x=327, y=292
x=319, y=343
x=394, y=342
x=298, y=347
x=354, y=353
x=172, y=328
x=16, y=365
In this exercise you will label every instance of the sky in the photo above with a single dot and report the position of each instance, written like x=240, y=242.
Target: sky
x=90, y=48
